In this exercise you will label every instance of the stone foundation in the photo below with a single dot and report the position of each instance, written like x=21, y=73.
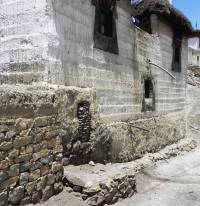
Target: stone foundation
x=31, y=160
x=34, y=123
x=45, y=127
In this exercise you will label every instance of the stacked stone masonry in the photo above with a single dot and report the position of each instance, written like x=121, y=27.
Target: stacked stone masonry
x=32, y=144
x=30, y=161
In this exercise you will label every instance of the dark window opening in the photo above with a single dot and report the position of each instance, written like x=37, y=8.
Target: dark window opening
x=146, y=26
x=177, y=54
x=148, y=89
x=105, y=32
x=177, y=49
x=105, y=22
x=149, y=97
x=197, y=59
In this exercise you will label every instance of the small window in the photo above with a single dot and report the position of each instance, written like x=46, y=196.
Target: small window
x=149, y=96
x=197, y=59
x=105, y=33
x=148, y=89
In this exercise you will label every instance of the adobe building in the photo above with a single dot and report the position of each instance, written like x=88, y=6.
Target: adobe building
x=80, y=82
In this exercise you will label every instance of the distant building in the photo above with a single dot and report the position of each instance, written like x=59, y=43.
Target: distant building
x=194, y=52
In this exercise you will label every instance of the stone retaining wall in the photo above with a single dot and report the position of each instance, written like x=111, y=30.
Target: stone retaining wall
x=31, y=160
x=34, y=123
x=132, y=140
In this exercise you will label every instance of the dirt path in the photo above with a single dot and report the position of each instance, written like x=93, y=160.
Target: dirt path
x=176, y=183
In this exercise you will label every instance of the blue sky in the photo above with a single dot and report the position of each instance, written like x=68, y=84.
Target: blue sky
x=191, y=8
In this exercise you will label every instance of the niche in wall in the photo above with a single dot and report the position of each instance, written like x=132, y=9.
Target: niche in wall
x=149, y=95
x=84, y=118
x=177, y=50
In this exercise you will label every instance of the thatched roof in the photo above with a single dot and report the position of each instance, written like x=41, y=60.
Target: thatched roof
x=166, y=10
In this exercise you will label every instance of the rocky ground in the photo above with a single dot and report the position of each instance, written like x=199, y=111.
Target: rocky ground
x=173, y=183
x=194, y=76
x=105, y=174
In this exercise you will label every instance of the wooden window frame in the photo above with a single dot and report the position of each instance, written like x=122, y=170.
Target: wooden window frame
x=101, y=41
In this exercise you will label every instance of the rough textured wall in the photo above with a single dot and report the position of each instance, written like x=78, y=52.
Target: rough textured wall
x=34, y=125
x=30, y=160
x=83, y=66
x=171, y=92
x=147, y=48
x=193, y=105
x=26, y=31
x=56, y=46
x=134, y=139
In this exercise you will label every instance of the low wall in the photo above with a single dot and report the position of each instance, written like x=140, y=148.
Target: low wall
x=34, y=124
x=31, y=160
x=131, y=140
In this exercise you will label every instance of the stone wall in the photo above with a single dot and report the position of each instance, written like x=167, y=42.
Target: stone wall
x=31, y=160
x=34, y=126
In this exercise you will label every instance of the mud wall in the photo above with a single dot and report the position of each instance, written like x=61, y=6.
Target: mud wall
x=57, y=46
x=169, y=93
x=132, y=140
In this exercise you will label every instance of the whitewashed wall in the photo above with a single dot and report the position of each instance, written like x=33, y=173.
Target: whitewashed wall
x=24, y=29
x=52, y=41
x=171, y=93
x=84, y=66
